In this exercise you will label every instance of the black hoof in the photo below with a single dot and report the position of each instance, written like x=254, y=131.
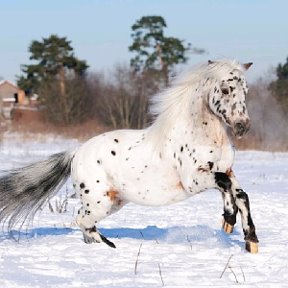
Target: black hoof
x=108, y=242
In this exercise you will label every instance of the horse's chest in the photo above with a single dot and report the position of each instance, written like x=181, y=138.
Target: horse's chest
x=196, y=168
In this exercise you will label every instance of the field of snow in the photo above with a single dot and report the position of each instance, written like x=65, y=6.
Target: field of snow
x=176, y=246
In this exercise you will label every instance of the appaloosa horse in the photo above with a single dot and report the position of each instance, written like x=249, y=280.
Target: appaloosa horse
x=184, y=152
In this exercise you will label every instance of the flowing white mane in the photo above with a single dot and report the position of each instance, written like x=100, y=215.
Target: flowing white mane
x=176, y=101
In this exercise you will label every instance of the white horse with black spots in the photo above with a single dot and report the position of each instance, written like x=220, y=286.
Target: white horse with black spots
x=184, y=152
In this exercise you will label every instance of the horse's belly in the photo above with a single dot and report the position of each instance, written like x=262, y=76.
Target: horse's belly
x=154, y=196
x=153, y=188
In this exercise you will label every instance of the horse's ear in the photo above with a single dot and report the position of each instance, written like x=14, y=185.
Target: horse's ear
x=210, y=62
x=246, y=66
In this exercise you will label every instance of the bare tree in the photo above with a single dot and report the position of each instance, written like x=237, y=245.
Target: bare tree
x=122, y=100
x=74, y=106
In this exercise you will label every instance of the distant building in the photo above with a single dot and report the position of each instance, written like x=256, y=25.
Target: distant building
x=10, y=96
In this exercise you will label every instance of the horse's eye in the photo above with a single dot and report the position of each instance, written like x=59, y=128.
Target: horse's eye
x=225, y=91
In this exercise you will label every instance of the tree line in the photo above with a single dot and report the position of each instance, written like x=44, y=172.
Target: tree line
x=71, y=94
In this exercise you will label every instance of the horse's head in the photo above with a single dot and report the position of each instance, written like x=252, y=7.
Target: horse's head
x=227, y=99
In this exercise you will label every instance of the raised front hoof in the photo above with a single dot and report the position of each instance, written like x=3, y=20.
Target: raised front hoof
x=228, y=228
x=251, y=247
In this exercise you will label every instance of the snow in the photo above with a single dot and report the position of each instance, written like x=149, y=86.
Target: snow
x=180, y=245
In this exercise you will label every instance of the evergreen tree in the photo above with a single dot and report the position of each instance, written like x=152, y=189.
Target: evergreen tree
x=156, y=52
x=54, y=74
x=54, y=59
x=279, y=87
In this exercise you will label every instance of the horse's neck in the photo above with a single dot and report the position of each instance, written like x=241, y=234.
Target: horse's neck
x=201, y=127
x=189, y=120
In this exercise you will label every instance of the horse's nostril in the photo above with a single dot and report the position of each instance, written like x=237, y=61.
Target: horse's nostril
x=239, y=129
x=239, y=126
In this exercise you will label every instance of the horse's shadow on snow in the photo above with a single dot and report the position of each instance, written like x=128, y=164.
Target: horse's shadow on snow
x=172, y=235
x=176, y=235
x=34, y=233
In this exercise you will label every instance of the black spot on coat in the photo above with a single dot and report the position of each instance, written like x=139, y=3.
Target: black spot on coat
x=211, y=164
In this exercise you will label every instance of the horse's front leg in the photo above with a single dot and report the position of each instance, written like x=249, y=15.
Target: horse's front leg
x=230, y=207
x=235, y=198
x=230, y=211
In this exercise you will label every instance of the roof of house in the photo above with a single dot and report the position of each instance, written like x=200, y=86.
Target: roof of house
x=8, y=82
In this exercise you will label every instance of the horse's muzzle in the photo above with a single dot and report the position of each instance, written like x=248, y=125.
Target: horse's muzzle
x=241, y=128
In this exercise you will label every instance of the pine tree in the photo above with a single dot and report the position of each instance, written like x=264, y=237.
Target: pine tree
x=279, y=87
x=54, y=59
x=155, y=52
x=53, y=75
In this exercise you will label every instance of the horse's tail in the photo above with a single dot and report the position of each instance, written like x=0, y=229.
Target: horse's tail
x=23, y=191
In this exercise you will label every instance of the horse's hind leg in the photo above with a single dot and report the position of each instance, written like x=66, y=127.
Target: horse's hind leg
x=96, y=205
x=89, y=215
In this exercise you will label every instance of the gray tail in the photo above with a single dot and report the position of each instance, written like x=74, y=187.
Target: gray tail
x=23, y=191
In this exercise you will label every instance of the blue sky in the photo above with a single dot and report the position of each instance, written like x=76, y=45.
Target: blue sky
x=248, y=30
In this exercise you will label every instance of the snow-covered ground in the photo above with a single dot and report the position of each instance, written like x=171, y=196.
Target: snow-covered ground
x=176, y=246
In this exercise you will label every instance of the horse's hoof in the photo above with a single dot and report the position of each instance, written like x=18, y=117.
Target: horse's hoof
x=106, y=241
x=251, y=247
x=87, y=239
x=228, y=228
